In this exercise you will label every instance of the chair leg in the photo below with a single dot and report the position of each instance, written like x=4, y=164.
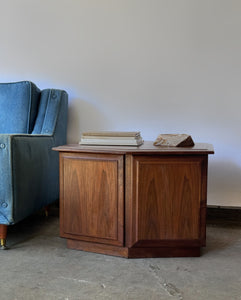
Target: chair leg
x=3, y=236
x=46, y=210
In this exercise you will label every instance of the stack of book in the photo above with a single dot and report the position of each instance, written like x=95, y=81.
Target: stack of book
x=111, y=138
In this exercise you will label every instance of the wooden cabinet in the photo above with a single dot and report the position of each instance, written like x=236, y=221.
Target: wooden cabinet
x=134, y=201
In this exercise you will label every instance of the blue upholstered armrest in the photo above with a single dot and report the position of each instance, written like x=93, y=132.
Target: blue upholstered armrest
x=28, y=170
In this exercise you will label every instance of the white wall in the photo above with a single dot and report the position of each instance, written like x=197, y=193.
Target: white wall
x=159, y=66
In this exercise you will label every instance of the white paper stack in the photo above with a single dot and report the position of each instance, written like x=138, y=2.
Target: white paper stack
x=112, y=138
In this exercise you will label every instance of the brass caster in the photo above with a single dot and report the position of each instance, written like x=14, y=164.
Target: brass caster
x=3, y=245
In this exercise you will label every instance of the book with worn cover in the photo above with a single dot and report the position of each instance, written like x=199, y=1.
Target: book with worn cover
x=115, y=134
x=174, y=140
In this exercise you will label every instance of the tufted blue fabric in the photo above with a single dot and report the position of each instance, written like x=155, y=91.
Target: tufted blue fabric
x=29, y=178
x=19, y=104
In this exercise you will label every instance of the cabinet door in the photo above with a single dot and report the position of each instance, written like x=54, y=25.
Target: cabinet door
x=165, y=200
x=91, y=197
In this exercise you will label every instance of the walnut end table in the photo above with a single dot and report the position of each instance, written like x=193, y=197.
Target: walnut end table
x=134, y=202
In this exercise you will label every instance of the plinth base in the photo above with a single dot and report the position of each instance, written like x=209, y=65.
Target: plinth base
x=143, y=252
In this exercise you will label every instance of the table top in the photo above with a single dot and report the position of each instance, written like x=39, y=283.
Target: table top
x=146, y=148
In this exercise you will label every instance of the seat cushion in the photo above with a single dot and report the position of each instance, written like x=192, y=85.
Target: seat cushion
x=18, y=106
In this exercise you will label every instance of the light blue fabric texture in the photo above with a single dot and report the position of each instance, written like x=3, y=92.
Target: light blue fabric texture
x=18, y=106
x=32, y=122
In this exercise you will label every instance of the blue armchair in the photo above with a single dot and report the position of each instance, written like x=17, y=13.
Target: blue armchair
x=31, y=123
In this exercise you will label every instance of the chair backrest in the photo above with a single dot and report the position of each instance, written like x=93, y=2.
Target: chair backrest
x=52, y=112
x=19, y=103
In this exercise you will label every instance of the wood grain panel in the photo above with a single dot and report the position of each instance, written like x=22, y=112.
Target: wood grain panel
x=166, y=199
x=92, y=197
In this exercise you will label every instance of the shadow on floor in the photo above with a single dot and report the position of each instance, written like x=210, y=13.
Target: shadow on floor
x=36, y=224
x=217, y=218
